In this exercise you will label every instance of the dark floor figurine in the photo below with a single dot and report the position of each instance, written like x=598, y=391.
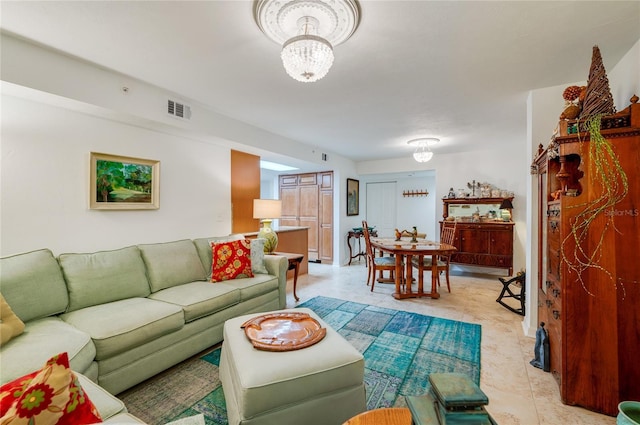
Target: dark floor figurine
x=541, y=349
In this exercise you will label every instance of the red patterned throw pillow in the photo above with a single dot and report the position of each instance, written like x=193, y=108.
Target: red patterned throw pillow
x=231, y=260
x=51, y=395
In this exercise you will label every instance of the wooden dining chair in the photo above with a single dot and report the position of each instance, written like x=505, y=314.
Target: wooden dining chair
x=447, y=235
x=376, y=263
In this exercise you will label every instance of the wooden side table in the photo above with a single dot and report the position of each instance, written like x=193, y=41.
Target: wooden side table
x=294, y=264
x=385, y=416
x=357, y=235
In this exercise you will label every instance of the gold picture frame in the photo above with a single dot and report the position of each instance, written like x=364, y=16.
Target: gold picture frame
x=123, y=183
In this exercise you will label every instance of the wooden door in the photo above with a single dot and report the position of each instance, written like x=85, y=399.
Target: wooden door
x=245, y=187
x=325, y=217
x=381, y=207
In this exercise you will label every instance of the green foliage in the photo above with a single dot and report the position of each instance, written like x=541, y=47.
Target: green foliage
x=111, y=175
x=611, y=185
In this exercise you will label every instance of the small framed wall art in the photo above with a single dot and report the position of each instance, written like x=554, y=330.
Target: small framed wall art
x=123, y=183
x=353, y=197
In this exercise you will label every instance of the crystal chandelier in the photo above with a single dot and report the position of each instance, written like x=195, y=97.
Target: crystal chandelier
x=423, y=152
x=307, y=30
x=307, y=57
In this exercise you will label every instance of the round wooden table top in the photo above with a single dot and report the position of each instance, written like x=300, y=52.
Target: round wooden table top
x=386, y=416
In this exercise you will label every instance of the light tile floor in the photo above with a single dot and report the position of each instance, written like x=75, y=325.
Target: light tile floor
x=519, y=394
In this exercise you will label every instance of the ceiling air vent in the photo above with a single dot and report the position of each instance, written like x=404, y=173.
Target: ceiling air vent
x=178, y=110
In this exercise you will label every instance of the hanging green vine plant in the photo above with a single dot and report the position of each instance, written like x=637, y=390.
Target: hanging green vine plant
x=611, y=184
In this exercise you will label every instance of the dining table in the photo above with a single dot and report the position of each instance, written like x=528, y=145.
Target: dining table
x=404, y=249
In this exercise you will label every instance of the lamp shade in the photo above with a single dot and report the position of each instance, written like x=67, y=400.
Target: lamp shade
x=267, y=208
x=506, y=204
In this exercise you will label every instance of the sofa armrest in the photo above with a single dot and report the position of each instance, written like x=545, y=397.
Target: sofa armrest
x=277, y=266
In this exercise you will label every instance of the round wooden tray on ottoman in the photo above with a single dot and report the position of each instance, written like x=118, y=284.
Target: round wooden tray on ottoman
x=283, y=331
x=320, y=384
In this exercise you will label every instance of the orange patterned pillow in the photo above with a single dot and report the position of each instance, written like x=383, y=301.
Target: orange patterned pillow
x=231, y=260
x=51, y=395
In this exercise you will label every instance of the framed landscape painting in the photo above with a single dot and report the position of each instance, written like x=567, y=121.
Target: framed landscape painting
x=353, y=197
x=123, y=183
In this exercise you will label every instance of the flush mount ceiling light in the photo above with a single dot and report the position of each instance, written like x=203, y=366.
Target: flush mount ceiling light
x=307, y=30
x=423, y=153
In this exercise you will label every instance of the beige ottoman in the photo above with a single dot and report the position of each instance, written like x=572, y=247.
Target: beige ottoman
x=321, y=384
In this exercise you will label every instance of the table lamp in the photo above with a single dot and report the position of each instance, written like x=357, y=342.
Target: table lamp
x=266, y=210
x=505, y=207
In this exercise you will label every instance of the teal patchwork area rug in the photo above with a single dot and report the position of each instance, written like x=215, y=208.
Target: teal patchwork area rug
x=400, y=350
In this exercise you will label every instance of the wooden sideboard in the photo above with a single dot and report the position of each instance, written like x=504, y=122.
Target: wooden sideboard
x=485, y=242
x=591, y=314
x=484, y=245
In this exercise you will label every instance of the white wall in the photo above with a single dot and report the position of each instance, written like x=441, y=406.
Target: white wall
x=35, y=73
x=45, y=182
x=624, y=77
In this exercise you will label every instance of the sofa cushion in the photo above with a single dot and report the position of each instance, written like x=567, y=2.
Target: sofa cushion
x=257, y=256
x=199, y=299
x=51, y=395
x=203, y=246
x=10, y=324
x=33, y=285
x=172, y=263
x=122, y=325
x=102, y=277
x=254, y=286
x=42, y=339
x=231, y=260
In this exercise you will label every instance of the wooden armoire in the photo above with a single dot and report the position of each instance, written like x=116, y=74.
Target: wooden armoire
x=592, y=314
x=307, y=200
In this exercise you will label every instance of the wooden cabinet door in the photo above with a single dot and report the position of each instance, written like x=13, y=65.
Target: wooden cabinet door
x=289, y=195
x=501, y=241
x=325, y=216
x=307, y=200
x=473, y=241
x=308, y=210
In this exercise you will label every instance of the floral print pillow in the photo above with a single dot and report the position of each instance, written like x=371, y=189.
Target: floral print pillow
x=51, y=395
x=231, y=260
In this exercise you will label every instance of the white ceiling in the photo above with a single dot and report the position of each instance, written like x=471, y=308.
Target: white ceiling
x=459, y=71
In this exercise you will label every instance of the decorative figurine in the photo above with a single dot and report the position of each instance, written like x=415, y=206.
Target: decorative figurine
x=414, y=234
x=398, y=235
x=452, y=194
x=473, y=186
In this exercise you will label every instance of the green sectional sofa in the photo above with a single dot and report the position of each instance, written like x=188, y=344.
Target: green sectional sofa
x=125, y=315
